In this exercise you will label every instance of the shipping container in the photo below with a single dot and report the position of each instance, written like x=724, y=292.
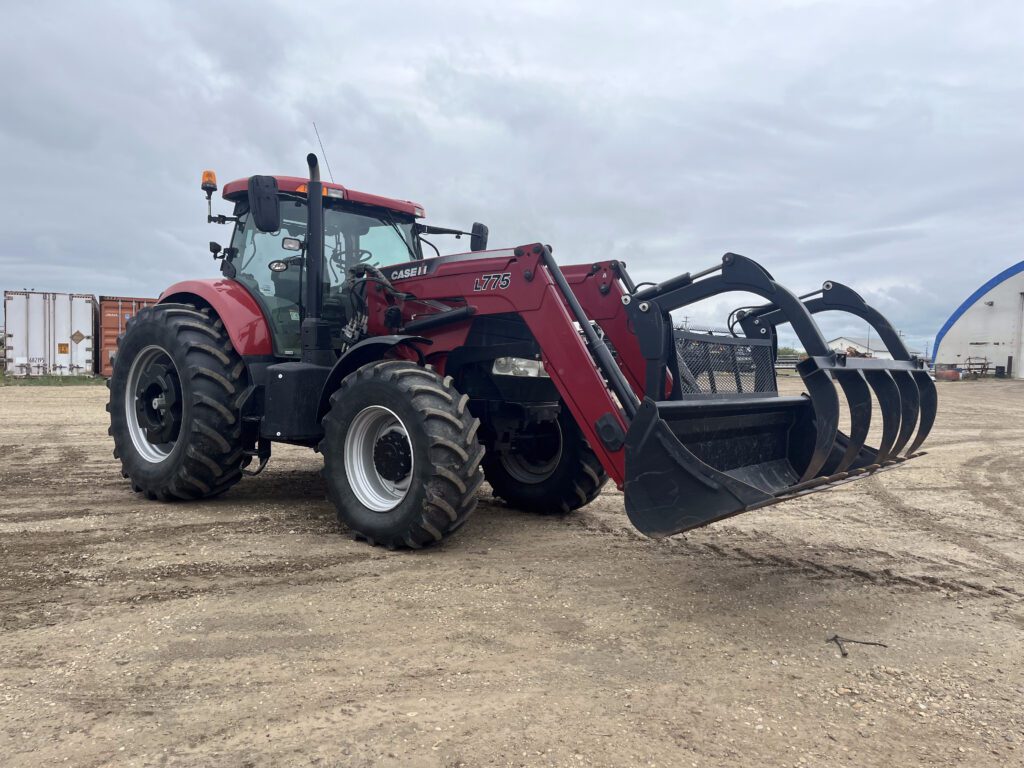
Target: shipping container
x=49, y=333
x=114, y=314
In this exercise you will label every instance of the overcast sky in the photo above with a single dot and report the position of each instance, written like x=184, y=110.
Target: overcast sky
x=878, y=144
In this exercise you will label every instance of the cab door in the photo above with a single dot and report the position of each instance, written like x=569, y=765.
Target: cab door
x=273, y=275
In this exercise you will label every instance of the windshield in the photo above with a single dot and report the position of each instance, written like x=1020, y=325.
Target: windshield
x=352, y=238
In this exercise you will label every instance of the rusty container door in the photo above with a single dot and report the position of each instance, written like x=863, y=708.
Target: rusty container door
x=114, y=314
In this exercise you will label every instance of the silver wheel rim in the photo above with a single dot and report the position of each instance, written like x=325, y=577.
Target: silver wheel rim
x=532, y=472
x=364, y=434
x=154, y=453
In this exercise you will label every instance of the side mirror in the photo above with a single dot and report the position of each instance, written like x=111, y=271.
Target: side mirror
x=478, y=237
x=264, y=204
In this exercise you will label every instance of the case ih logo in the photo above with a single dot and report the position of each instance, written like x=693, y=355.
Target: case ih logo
x=401, y=274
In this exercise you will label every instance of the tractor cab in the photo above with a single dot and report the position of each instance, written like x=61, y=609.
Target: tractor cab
x=271, y=255
x=357, y=234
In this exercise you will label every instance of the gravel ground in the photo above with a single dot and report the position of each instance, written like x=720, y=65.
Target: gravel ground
x=251, y=630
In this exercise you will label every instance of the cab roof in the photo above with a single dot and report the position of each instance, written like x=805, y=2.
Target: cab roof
x=235, y=190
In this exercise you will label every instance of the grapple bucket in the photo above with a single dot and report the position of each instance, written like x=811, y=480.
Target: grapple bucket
x=714, y=438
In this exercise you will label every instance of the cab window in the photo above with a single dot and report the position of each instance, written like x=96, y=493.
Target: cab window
x=352, y=237
x=279, y=292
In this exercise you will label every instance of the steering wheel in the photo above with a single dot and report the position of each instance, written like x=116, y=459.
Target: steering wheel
x=344, y=259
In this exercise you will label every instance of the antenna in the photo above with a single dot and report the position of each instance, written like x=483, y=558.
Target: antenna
x=323, y=152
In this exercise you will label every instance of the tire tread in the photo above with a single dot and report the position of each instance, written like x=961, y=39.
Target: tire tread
x=580, y=485
x=456, y=476
x=211, y=460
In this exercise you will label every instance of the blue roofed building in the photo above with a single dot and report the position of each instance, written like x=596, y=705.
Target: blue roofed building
x=986, y=330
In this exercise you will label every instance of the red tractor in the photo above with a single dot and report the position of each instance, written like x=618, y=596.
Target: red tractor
x=417, y=377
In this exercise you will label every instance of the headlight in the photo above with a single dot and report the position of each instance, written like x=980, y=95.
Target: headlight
x=519, y=366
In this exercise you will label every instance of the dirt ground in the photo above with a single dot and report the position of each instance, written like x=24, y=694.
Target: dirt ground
x=251, y=630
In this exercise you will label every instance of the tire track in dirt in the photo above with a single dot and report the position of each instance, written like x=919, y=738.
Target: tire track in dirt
x=882, y=575
x=213, y=578
x=960, y=537
x=996, y=483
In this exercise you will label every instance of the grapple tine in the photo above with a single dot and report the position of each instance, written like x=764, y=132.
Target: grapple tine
x=929, y=406
x=888, y=396
x=910, y=407
x=859, y=398
x=723, y=440
x=826, y=418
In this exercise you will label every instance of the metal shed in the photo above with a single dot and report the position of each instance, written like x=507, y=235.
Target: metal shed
x=985, y=332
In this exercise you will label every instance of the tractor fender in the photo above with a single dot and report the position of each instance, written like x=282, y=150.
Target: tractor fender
x=366, y=351
x=235, y=306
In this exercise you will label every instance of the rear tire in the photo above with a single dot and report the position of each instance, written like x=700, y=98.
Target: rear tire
x=401, y=458
x=560, y=475
x=176, y=393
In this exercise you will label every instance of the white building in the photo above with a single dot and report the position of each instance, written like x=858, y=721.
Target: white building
x=987, y=327
x=872, y=347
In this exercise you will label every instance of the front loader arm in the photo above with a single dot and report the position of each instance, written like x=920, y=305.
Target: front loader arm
x=580, y=383
x=528, y=283
x=603, y=289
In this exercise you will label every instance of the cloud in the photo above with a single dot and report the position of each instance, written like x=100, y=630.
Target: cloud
x=875, y=144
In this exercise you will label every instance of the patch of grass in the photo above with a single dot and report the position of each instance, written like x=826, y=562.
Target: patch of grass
x=50, y=381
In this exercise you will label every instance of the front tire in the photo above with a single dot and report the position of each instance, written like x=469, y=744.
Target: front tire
x=552, y=471
x=401, y=458
x=176, y=393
